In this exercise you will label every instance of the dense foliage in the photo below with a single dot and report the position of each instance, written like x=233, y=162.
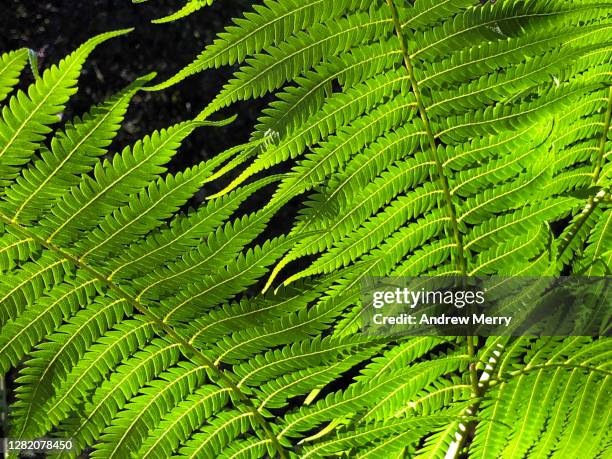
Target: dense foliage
x=427, y=137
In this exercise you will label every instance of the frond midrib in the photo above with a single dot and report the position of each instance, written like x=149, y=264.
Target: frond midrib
x=461, y=258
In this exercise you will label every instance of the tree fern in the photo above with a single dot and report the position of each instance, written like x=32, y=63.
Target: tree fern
x=424, y=138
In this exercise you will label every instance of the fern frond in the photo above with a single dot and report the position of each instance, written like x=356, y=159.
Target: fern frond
x=21, y=334
x=73, y=152
x=190, y=7
x=26, y=120
x=115, y=182
x=183, y=233
x=261, y=28
x=108, y=399
x=145, y=410
x=15, y=248
x=220, y=431
x=420, y=138
x=49, y=364
x=11, y=65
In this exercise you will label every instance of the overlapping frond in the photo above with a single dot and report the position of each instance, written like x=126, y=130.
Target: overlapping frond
x=26, y=117
x=450, y=141
x=424, y=138
x=72, y=311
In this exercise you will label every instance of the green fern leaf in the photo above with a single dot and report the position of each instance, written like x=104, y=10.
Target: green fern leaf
x=11, y=65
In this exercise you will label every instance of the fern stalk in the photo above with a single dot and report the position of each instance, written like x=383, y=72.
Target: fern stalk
x=432, y=139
